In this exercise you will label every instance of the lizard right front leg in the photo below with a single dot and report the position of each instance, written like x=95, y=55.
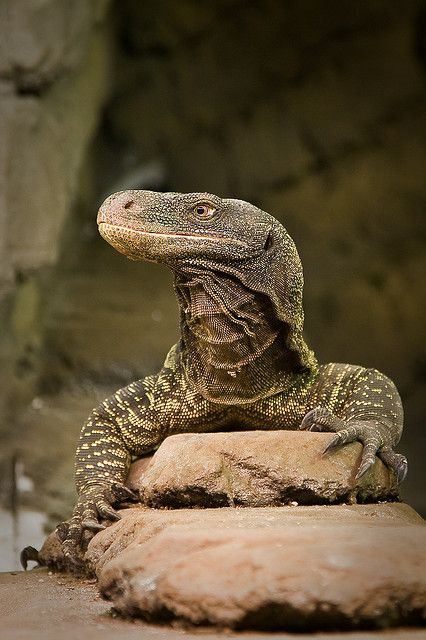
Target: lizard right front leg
x=123, y=426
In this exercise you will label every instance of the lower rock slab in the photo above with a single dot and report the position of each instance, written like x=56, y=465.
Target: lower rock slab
x=288, y=568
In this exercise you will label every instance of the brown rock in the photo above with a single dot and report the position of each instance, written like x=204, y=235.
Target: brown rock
x=138, y=525
x=136, y=471
x=258, y=468
x=279, y=568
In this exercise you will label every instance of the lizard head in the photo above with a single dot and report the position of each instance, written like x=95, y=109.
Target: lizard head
x=176, y=228
x=199, y=233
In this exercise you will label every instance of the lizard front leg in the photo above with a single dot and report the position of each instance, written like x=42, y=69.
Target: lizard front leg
x=372, y=414
x=133, y=422
x=123, y=426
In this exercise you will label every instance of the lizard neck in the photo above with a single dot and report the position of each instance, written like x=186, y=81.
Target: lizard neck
x=233, y=346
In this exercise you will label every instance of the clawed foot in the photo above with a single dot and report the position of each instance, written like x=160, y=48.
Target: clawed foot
x=28, y=554
x=93, y=505
x=372, y=434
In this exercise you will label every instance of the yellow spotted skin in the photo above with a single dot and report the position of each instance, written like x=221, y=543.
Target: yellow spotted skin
x=242, y=361
x=137, y=418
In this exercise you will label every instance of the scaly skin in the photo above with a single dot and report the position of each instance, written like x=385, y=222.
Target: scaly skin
x=241, y=360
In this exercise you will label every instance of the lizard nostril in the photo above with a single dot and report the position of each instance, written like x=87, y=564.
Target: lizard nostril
x=129, y=204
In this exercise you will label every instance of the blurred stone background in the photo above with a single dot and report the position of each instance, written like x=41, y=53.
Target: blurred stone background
x=313, y=110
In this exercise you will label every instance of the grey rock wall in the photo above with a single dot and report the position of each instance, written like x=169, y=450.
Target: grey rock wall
x=55, y=75
x=54, y=78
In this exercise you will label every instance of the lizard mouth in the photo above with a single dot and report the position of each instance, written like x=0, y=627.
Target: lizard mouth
x=110, y=231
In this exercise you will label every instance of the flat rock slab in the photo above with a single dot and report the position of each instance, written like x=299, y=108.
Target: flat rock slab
x=256, y=469
x=288, y=568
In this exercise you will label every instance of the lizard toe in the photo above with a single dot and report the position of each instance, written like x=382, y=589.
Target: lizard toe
x=401, y=468
x=93, y=525
x=122, y=493
x=62, y=530
x=343, y=436
x=395, y=461
x=368, y=457
x=336, y=441
x=312, y=420
x=106, y=511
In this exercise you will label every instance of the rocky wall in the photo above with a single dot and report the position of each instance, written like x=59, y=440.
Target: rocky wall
x=55, y=75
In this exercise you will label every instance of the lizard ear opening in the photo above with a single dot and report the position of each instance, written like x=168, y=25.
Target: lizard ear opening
x=269, y=242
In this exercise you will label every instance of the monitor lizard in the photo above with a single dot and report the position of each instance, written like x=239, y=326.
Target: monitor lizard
x=241, y=358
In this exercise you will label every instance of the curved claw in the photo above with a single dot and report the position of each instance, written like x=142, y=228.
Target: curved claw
x=93, y=525
x=312, y=420
x=307, y=421
x=368, y=458
x=334, y=442
x=396, y=461
x=27, y=554
x=363, y=468
x=401, y=470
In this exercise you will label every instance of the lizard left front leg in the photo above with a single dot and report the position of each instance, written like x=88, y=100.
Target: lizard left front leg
x=371, y=414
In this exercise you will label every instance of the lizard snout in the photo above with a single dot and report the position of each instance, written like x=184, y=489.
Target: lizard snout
x=116, y=208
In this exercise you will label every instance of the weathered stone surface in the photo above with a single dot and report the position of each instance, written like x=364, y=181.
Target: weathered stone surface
x=139, y=525
x=304, y=567
x=268, y=568
x=258, y=468
x=137, y=471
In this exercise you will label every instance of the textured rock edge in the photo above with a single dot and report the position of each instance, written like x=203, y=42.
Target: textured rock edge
x=205, y=567
x=256, y=469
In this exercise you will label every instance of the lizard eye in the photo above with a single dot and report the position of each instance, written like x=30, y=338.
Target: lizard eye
x=204, y=211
